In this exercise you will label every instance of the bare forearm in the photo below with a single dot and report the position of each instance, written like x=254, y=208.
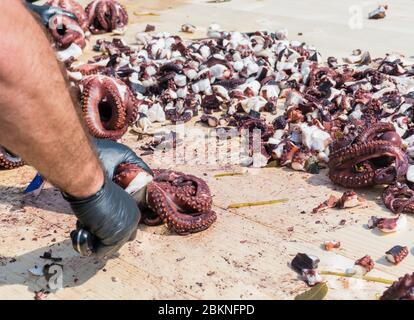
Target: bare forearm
x=38, y=120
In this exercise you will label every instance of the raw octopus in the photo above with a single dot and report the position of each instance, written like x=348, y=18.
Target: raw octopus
x=74, y=7
x=402, y=289
x=399, y=197
x=106, y=16
x=372, y=157
x=246, y=75
x=108, y=106
x=9, y=160
x=66, y=31
x=180, y=200
x=70, y=35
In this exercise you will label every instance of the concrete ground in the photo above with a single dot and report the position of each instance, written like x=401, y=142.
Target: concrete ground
x=245, y=254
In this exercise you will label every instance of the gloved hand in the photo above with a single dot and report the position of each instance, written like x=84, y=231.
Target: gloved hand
x=112, y=154
x=108, y=219
x=45, y=12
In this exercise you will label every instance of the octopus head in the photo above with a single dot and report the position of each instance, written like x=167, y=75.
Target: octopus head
x=392, y=137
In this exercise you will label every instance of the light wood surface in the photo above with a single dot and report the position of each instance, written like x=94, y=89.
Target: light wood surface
x=245, y=254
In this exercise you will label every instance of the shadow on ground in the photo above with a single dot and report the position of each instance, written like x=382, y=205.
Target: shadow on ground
x=49, y=199
x=370, y=193
x=72, y=271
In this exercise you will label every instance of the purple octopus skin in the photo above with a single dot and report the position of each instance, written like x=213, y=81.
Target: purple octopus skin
x=399, y=198
x=367, y=159
x=108, y=106
x=106, y=16
x=402, y=289
x=180, y=200
x=8, y=160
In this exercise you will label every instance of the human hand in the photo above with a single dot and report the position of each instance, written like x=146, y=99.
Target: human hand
x=106, y=220
x=112, y=154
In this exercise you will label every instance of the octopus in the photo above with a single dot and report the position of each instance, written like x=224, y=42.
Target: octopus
x=88, y=69
x=402, y=289
x=251, y=124
x=371, y=157
x=108, y=106
x=399, y=198
x=106, y=16
x=74, y=7
x=8, y=160
x=251, y=128
x=180, y=200
x=65, y=31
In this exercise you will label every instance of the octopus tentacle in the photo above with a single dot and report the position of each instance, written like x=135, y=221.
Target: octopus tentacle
x=106, y=16
x=88, y=69
x=363, y=151
x=151, y=219
x=102, y=19
x=181, y=201
x=371, y=157
x=65, y=31
x=108, y=106
x=114, y=99
x=73, y=7
x=399, y=198
x=351, y=179
x=373, y=131
x=9, y=160
x=195, y=196
x=175, y=117
x=402, y=289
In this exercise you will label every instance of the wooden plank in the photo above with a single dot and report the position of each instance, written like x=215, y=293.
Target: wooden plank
x=246, y=253
x=233, y=259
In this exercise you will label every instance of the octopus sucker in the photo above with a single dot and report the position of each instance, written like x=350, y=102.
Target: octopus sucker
x=74, y=7
x=372, y=157
x=108, y=106
x=9, y=160
x=399, y=198
x=178, y=220
x=106, y=16
x=183, y=202
x=88, y=69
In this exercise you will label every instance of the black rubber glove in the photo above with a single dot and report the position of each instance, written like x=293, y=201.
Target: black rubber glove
x=45, y=12
x=112, y=154
x=110, y=216
x=108, y=219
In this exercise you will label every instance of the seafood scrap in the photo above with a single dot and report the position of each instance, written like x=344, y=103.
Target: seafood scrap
x=378, y=13
x=349, y=199
x=99, y=16
x=307, y=266
x=182, y=201
x=362, y=266
x=245, y=75
x=402, y=289
x=396, y=254
x=388, y=225
x=329, y=245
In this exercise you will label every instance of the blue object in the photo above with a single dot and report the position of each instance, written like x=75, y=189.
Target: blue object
x=36, y=184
